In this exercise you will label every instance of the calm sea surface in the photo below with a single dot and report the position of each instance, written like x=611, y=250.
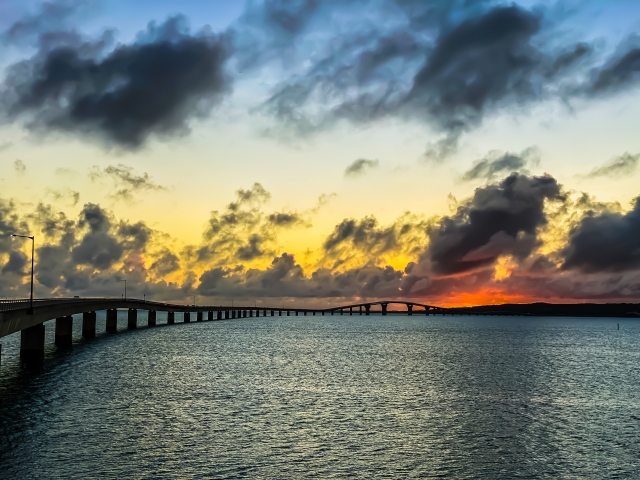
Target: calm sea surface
x=329, y=397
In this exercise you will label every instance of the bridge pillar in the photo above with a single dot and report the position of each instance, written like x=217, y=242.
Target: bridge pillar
x=132, y=318
x=272, y=313
x=331, y=312
x=341, y=312
x=171, y=318
x=244, y=314
x=250, y=313
x=89, y=324
x=187, y=317
x=210, y=316
x=151, y=318
x=288, y=313
x=367, y=308
x=296, y=313
x=32, y=342
x=409, y=309
x=360, y=309
x=219, y=315
x=384, y=309
x=112, y=320
x=199, y=317
x=350, y=310
x=426, y=311
x=64, y=330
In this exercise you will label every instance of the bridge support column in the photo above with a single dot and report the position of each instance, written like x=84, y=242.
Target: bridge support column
x=367, y=308
x=244, y=314
x=132, y=318
x=409, y=309
x=64, y=331
x=272, y=313
x=89, y=324
x=296, y=313
x=171, y=318
x=32, y=342
x=426, y=311
x=219, y=315
x=341, y=312
x=112, y=320
x=360, y=309
x=350, y=310
x=187, y=317
x=331, y=312
x=384, y=309
x=210, y=316
x=151, y=318
x=199, y=317
x=288, y=313
x=250, y=313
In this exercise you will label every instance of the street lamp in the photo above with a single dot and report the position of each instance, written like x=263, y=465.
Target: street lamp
x=33, y=249
x=125, y=288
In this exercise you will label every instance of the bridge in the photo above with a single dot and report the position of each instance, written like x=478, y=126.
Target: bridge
x=28, y=317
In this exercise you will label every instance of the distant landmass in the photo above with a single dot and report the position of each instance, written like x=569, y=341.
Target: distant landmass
x=552, y=309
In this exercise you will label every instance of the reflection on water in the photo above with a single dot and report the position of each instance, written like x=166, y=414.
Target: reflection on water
x=290, y=397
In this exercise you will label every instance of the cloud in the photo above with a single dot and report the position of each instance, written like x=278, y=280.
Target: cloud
x=243, y=232
x=51, y=16
x=154, y=86
x=619, y=72
x=360, y=167
x=19, y=167
x=605, y=242
x=497, y=163
x=165, y=264
x=125, y=180
x=499, y=219
x=618, y=167
x=66, y=193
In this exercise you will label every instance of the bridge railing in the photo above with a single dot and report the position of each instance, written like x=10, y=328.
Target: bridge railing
x=22, y=303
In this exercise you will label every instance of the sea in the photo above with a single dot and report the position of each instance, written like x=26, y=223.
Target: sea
x=325, y=397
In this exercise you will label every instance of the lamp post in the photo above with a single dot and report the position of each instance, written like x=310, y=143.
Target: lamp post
x=125, y=288
x=33, y=249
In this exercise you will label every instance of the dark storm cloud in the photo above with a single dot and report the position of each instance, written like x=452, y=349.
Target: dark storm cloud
x=16, y=263
x=621, y=71
x=618, y=167
x=165, y=264
x=154, y=86
x=499, y=219
x=97, y=248
x=605, y=242
x=360, y=166
x=497, y=163
x=286, y=278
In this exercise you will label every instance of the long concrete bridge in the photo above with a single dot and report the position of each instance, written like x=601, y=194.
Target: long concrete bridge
x=20, y=316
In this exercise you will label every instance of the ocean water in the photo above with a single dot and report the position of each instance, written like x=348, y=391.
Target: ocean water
x=328, y=397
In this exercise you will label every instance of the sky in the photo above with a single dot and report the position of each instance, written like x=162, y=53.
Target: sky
x=321, y=152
